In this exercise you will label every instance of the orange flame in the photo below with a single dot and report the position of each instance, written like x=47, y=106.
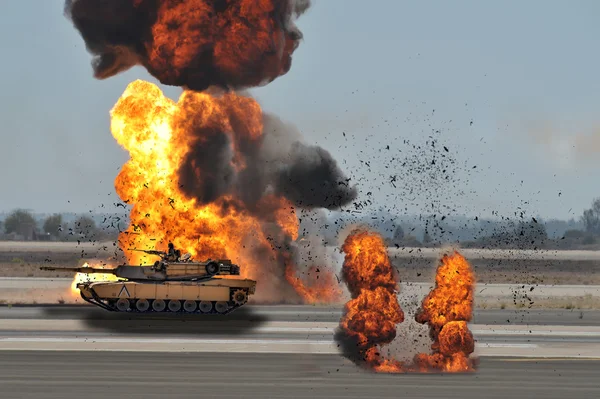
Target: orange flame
x=156, y=132
x=319, y=286
x=191, y=43
x=245, y=42
x=370, y=317
x=84, y=278
x=447, y=309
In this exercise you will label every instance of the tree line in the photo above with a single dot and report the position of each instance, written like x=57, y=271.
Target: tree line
x=520, y=233
x=21, y=224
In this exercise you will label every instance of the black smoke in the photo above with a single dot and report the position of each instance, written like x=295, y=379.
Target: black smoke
x=113, y=30
x=310, y=178
x=278, y=163
x=350, y=346
x=190, y=43
x=206, y=172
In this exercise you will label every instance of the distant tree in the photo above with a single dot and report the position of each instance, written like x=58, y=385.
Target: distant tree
x=591, y=218
x=398, y=234
x=52, y=224
x=85, y=226
x=530, y=234
x=21, y=222
x=411, y=241
x=574, y=234
x=588, y=240
x=426, y=238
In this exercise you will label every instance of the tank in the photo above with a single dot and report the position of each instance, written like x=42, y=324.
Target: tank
x=173, y=284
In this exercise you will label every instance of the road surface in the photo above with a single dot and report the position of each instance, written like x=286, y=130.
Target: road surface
x=71, y=375
x=295, y=313
x=280, y=351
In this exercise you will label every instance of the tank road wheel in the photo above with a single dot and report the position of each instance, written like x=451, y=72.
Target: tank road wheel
x=123, y=304
x=239, y=297
x=189, y=306
x=206, y=306
x=221, y=306
x=158, y=305
x=142, y=305
x=212, y=268
x=174, y=305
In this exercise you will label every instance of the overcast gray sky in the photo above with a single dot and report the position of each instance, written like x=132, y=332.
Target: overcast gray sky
x=525, y=74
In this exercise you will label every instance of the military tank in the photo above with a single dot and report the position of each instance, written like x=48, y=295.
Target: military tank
x=172, y=284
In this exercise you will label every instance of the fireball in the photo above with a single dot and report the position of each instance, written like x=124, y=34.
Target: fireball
x=371, y=316
x=84, y=278
x=447, y=309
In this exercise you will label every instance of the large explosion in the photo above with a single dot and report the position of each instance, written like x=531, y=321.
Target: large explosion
x=447, y=309
x=203, y=174
x=219, y=178
x=211, y=172
x=191, y=43
x=371, y=316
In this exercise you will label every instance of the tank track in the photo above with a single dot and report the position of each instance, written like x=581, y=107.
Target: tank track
x=110, y=305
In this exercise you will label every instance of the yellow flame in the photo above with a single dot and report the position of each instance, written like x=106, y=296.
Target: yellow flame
x=84, y=278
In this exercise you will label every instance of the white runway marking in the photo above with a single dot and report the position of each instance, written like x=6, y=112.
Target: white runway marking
x=284, y=346
x=300, y=327
x=165, y=341
x=125, y=344
x=532, y=332
x=495, y=345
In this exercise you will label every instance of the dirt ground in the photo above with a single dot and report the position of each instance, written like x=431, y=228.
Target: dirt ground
x=513, y=272
x=21, y=260
x=25, y=260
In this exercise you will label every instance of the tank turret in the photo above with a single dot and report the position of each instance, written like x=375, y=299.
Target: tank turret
x=163, y=271
x=173, y=284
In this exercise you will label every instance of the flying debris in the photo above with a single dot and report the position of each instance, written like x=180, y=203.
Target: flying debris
x=371, y=316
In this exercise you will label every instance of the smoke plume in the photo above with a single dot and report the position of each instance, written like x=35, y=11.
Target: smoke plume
x=276, y=162
x=193, y=43
x=232, y=176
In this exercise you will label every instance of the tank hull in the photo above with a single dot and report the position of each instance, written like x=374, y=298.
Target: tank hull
x=214, y=296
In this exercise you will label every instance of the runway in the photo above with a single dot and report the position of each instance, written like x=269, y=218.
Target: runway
x=282, y=329
x=70, y=375
x=293, y=313
x=279, y=351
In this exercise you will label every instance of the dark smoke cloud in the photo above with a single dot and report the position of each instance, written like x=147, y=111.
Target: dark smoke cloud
x=310, y=178
x=278, y=163
x=211, y=156
x=306, y=175
x=112, y=31
x=192, y=43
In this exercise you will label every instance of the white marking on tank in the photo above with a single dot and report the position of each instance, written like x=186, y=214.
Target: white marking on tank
x=124, y=288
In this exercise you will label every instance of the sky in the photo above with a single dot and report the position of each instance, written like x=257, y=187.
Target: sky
x=509, y=88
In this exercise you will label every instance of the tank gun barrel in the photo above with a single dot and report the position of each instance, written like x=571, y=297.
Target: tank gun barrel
x=150, y=252
x=86, y=270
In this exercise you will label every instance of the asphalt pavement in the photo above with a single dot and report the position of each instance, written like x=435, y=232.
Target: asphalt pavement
x=565, y=317
x=279, y=351
x=91, y=375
